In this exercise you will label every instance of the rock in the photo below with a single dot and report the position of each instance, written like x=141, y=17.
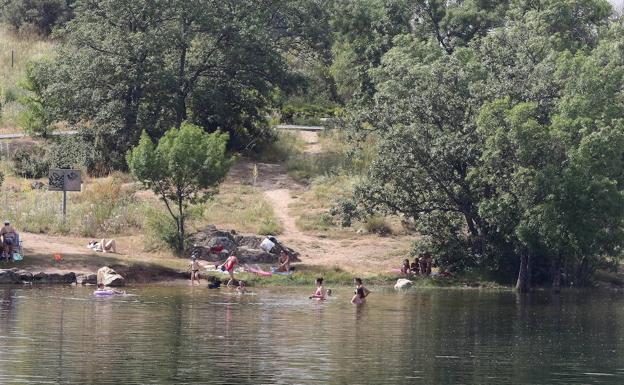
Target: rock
x=8, y=276
x=54, y=278
x=37, y=185
x=246, y=247
x=402, y=283
x=109, y=277
x=86, y=279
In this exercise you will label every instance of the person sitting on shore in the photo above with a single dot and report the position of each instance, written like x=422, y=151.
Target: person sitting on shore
x=283, y=262
x=319, y=294
x=9, y=240
x=359, y=297
x=194, y=267
x=405, y=268
x=103, y=246
x=415, y=266
x=360, y=285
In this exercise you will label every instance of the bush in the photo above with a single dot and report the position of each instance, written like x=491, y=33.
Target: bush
x=161, y=230
x=377, y=225
x=307, y=114
x=30, y=162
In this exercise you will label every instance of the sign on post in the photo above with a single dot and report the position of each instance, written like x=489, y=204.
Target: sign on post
x=64, y=180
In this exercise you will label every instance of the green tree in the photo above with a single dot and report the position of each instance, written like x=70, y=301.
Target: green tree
x=184, y=168
x=42, y=15
x=494, y=147
x=125, y=66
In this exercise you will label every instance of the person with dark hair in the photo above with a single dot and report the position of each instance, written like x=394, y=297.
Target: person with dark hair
x=360, y=285
x=283, y=262
x=319, y=294
x=415, y=266
x=405, y=268
x=358, y=298
x=9, y=240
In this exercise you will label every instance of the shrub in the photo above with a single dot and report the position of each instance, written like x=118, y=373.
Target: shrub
x=270, y=226
x=30, y=162
x=160, y=229
x=377, y=225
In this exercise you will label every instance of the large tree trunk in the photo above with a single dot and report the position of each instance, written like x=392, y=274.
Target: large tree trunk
x=523, y=284
x=556, y=282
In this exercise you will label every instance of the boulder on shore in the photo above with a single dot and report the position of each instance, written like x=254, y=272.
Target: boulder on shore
x=245, y=247
x=50, y=278
x=86, y=279
x=402, y=283
x=9, y=276
x=109, y=277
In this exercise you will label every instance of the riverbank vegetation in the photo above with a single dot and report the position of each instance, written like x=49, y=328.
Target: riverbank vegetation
x=491, y=129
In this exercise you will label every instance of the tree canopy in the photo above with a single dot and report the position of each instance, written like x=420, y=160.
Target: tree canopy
x=505, y=148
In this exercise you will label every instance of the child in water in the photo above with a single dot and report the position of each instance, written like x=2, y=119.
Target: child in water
x=359, y=297
x=194, y=266
x=319, y=294
x=241, y=289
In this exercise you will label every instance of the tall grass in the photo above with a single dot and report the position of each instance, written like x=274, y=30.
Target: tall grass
x=244, y=209
x=25, y=47
x=101, y=210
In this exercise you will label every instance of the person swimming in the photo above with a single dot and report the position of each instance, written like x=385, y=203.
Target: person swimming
x=319, y=294
x=359, y=297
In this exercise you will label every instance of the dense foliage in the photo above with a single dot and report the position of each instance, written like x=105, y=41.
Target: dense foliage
x=40, y=16
x=128, y=66
x=504, y=144
x=183, y=169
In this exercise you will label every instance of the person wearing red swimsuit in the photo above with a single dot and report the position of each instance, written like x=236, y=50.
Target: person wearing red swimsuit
x=228, y=266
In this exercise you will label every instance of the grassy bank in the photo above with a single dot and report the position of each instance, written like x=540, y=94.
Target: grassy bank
x=25, y=48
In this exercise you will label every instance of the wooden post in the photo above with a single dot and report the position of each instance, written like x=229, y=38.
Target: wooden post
x=12, y=58
x=64, y=203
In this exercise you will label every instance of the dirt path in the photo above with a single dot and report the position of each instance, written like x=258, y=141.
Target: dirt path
x=357, y=253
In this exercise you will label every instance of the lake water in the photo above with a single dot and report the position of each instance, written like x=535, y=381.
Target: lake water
x=184, y=335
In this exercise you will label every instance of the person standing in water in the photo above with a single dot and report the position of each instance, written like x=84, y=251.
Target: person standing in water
x=360, y=285
x=228, y=266
x=319, y=294
x=359, y=297
x=194, y=265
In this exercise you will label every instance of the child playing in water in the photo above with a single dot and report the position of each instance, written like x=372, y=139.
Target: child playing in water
x=241, y=289
x=319, y=294
x=358, y=298
x=194, y=266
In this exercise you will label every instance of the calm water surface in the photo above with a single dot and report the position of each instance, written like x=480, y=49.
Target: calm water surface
x=183, y=335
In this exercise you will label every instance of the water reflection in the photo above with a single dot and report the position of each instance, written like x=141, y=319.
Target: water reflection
x=177, y=335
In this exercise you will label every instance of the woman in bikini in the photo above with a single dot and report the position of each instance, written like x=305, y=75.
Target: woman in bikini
x=319, y=294
x=359, y=297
